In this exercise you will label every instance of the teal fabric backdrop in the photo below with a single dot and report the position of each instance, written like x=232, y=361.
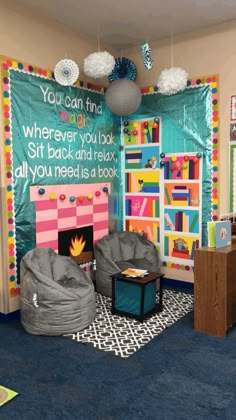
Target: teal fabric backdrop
x=186, y=127
x=66, y=135
x=60, y=135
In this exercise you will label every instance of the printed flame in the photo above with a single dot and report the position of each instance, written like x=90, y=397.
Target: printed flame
x=77, y=246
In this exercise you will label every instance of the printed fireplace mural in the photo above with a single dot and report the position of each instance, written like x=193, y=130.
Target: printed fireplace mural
x=77, y=243
x=71, y=218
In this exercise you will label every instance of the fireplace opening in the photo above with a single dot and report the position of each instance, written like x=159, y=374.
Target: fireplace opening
x=77, y=243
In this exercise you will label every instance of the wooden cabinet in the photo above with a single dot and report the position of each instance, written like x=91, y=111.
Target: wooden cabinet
x=215, y=289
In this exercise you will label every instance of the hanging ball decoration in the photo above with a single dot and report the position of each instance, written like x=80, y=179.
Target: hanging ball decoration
x=199, y=155
x=162, y=163
x=135, y=125
x=126, y=123
x=135, y=133
x=62, y=197
x=184, y=165
x=173, y=158
x=156, y=120
x=81, y=199
x=72, y=198
x=41, y=191
x=145, y=130
x=155, y=125
x=123, y=97
x=186, y=158
x=99, y=64
x=66, y=72
x=126, y=130
x=195, y=159
x=97, y=193
x=123, y=69
x=90, y=196
x=52, y=196
x=162, y=155
x=172, y=80
x=145, y=124
x=105, y=189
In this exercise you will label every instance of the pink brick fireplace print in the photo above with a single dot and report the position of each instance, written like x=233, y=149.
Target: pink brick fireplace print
x=67, y=208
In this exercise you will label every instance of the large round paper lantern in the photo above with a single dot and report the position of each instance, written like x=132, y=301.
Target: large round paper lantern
x=123, y=97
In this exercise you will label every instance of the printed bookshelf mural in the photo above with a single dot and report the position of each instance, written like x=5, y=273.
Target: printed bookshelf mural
x=148, y=228
x=141, y=181
x=141, y=157
x=181, y=206
x=141, y=132
x=184, y=194
x=142, y=206
x=162, y=192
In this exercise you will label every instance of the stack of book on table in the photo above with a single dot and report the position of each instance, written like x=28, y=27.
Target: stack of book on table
x=134, y=272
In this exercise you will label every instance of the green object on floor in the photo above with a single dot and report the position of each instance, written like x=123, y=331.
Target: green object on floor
x=6, y=395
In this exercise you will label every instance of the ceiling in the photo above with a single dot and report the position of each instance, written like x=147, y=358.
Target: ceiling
x=127, y=23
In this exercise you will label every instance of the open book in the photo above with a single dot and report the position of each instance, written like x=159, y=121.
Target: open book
x=134, y=272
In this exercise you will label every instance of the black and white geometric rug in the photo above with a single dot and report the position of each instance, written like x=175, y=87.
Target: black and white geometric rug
x=123, y=336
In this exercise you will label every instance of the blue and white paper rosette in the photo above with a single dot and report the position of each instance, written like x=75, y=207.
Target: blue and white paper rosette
x=124, y=69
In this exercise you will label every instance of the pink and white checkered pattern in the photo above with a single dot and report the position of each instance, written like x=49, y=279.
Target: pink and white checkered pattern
x=54, y=214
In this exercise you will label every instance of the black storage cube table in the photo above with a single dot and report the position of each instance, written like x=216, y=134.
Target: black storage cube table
x=136, y=296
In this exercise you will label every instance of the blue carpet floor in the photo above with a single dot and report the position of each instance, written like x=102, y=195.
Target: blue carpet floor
x=181, y=374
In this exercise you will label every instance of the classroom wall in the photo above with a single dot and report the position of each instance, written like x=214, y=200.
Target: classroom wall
x=34, y=39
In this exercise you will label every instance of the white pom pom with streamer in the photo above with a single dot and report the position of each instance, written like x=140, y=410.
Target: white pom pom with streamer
x=172, y=80
x=99, y=64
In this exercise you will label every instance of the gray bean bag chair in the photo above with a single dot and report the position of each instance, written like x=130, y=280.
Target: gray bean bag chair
x=121, y=250
x=56, y=295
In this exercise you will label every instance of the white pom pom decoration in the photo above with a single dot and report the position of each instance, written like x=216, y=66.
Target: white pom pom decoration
x=99, y=64
x=66, y=72
x=172, y=80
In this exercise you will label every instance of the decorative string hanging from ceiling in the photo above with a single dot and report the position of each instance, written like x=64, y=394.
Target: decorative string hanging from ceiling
x=99, y=64
x=173, y=80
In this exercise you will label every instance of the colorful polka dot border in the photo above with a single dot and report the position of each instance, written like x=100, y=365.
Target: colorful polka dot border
x=177, y=266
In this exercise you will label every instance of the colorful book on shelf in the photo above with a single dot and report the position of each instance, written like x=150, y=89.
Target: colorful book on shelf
x=219, y=233
x=134, y=272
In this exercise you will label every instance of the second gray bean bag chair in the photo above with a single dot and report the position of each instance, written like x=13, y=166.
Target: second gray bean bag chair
x=56, y=296
x=121, y=250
